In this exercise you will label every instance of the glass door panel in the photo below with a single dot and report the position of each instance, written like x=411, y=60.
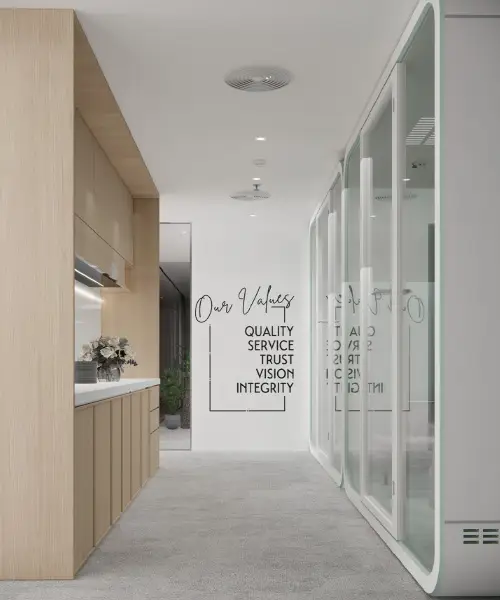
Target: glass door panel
x=334, y=324
x=350, y=318
x=322, y=269
x=376, y=305
x=314, y=358
x=417, y=290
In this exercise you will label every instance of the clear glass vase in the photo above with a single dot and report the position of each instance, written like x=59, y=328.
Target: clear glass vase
x=108, y=374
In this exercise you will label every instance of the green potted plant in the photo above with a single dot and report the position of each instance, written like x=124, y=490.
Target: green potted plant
x=186, y=400
x=171, y=396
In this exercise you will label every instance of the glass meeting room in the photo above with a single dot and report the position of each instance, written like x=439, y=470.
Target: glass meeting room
x=372, y=248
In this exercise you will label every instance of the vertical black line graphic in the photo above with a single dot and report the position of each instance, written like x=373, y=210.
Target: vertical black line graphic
x=284, y=312
x=409, y=366
x=210, y=367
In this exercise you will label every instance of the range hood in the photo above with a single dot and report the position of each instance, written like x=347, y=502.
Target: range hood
x=92, y=276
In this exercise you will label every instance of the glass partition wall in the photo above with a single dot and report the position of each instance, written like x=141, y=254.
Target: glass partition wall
x=326, y=411
x=372, y=259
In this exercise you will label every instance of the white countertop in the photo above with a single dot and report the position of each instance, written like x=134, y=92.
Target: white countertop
x=86, y=393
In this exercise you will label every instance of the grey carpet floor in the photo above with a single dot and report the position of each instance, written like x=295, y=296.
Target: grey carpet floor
x=236, y=527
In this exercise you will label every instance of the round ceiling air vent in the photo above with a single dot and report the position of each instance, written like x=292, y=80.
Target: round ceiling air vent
x=251, y=195
x=258, y=79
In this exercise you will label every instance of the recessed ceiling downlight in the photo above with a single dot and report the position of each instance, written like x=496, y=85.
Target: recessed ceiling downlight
x=258, y=79
x=251, y=195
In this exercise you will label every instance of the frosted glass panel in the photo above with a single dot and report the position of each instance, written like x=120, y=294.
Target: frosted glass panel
x=417, y=264
x=351, y=310
x=376, y=306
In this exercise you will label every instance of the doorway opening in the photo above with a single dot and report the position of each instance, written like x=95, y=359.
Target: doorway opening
x=175, y=336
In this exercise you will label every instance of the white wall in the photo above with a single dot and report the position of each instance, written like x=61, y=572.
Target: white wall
x=87, y=315
x=232, y=251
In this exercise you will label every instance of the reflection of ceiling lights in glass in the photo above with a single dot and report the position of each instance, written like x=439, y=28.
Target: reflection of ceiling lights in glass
x=422, y=133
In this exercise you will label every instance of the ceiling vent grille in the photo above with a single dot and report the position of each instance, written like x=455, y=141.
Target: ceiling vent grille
x=477, y=536
x=258, y=79
x=251, y=195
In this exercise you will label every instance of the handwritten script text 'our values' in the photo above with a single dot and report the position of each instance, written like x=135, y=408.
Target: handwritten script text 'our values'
x=205, y=306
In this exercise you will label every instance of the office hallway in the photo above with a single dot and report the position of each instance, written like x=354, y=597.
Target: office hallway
x=235, y=527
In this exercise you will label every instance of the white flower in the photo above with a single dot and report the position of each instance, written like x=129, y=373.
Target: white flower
x=86, y=353
x=108, y=352
x=115, y=342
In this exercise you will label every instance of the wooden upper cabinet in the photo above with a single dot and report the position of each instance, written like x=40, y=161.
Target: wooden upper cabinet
x=115, y=206
x=93, y=249
x=85, y=204
x=101, y=199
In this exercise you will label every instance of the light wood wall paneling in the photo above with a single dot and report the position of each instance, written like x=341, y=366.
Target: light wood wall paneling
x=135, y=444
x=36, y=303
x=136, y=314
x=84, y=485
x=126, y=452
x=154, y=449
x=102, y=470
x=99, y=109
x=116, y=458
x=144, y=436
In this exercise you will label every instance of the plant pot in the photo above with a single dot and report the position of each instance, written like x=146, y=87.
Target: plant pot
x=108, y=374
x=85, y=372
x=173, y=421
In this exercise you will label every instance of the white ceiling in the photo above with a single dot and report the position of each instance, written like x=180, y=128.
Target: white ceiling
x=166, y=60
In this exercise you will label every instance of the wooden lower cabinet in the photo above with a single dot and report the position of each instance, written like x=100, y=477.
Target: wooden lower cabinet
x=126, y=452
x=154, y=452
x=135, y=443
x=154, y=397
x=115, y=454
x=154, y=420
x=102, y=470
x=116, y=458
x=84, y=485
x=144, y=436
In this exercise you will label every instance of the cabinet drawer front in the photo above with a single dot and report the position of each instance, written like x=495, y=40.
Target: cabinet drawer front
x=154, y=398
x=154, y=420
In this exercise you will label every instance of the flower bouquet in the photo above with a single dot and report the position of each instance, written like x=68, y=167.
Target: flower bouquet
x=111, y=354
